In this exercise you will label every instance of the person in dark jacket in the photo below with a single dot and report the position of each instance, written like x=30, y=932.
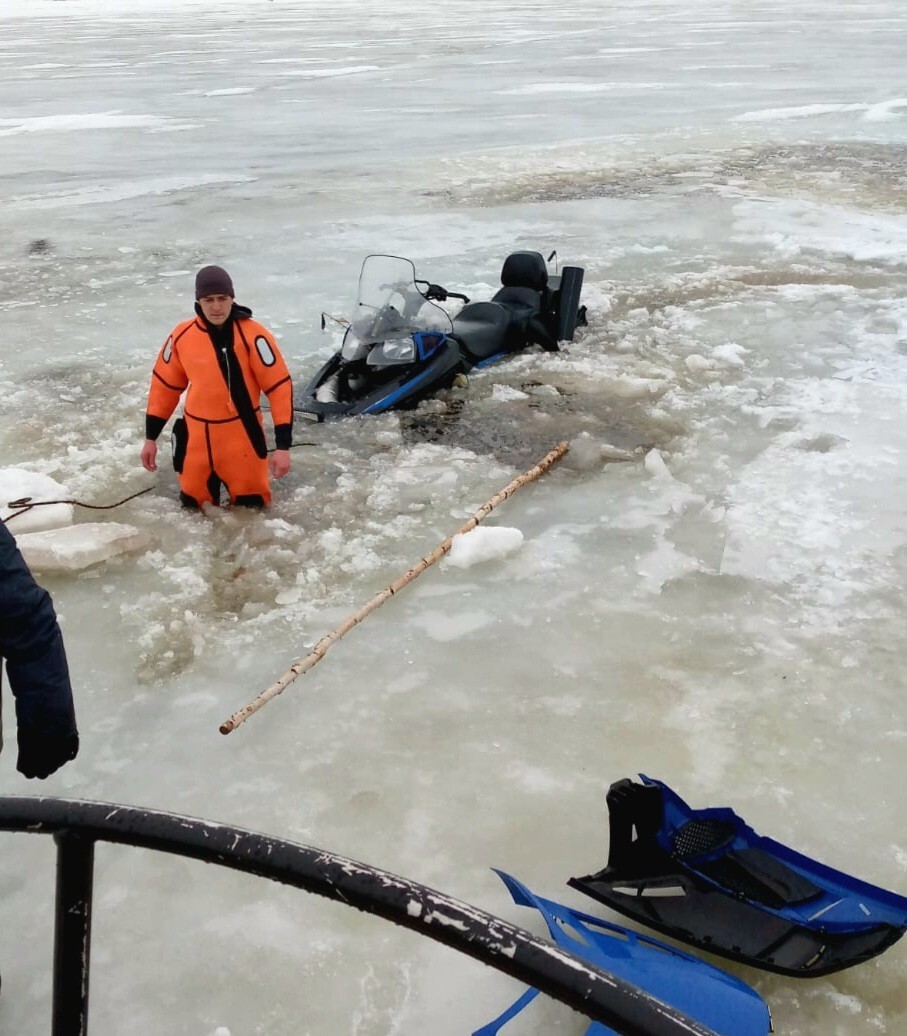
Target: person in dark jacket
x=32, y=644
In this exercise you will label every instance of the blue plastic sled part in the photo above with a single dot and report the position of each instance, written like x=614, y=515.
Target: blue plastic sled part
x=711, y=997
x=705, y=877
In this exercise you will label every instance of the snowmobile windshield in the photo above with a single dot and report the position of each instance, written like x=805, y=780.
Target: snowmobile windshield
x=389, y=311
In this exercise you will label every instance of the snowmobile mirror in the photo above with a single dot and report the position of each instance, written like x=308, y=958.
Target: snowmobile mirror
x=325, y=317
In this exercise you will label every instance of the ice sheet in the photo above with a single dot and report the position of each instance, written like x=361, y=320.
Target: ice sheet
x=709, y=586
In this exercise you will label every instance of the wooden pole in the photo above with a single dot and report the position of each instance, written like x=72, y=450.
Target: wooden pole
x=303, y=665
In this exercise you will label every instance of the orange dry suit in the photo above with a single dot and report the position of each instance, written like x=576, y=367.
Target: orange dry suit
x=222, y=441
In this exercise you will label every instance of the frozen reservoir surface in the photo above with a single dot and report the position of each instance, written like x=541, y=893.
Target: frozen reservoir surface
x=709, y=588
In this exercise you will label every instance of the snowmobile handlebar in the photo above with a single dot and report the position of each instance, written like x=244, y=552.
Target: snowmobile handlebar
x=435, y=293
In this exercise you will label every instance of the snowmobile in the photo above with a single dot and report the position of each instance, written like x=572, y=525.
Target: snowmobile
x=400, y=346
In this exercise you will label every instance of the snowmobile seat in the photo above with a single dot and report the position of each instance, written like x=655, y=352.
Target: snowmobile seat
x=523, y=301
x=524, y=277
x=486, y=328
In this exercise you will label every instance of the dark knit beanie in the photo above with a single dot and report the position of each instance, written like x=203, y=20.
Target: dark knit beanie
x=213, y=280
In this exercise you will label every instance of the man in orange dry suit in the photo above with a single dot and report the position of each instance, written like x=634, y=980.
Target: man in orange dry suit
x=226, y=360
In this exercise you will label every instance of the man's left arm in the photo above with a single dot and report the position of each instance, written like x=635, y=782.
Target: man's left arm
x=274, y=378
x=32, y=644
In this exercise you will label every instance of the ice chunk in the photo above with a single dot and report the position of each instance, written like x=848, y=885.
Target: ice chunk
x=586, y=454
x=542, y=390
x=75, y=547
x=483, y=544
x=17, y=484
x=655, y=465
x=663, y=564
x=730, y=354
x=695, y=362
x=612, y=452
x=506, y=393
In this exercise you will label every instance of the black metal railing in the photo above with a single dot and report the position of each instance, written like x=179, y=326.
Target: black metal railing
x=76, y=826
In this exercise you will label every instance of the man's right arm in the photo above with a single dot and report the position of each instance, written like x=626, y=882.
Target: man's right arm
x=149, y=454
x=168, y=381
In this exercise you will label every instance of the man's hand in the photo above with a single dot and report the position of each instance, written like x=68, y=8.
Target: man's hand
x=278, y=463
x=149, y=455
x=41, y=754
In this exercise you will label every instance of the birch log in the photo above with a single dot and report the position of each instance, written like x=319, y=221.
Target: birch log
x=303, y=665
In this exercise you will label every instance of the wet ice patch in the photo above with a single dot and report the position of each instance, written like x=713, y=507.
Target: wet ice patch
x=483, y=543
x=803, y=111
x=819, y=525
x=266, y=923
x=885, y=110
x=80, y=123
x=444, y=627
x=535, y=780
x=230, y=91
x=329, y=73
x=794, y=226
x=878, y=112
x=551, y=552
x=531, y=89
x=123, y=191
x=845, y=1002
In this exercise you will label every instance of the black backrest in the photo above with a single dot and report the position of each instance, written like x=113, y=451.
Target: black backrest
x=525, y=270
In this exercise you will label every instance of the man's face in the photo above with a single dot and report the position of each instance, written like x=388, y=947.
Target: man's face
x=216, y=308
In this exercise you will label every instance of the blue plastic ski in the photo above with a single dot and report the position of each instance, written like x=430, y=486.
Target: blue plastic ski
x=712, y=997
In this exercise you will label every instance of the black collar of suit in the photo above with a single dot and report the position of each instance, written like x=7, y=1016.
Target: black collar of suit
x=222, y=341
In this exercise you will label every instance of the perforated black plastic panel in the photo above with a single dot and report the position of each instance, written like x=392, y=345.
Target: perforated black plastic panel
x=701, y=836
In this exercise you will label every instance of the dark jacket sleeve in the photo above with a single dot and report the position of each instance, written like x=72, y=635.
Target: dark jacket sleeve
x=31, y=643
